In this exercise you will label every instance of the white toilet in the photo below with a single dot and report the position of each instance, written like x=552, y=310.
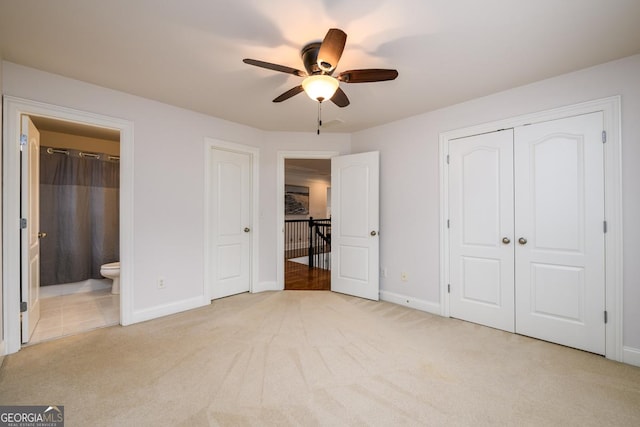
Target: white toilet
x=112, y=271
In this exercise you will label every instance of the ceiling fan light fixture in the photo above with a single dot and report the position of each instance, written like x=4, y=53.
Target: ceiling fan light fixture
x=320, y=87
x=320, y=59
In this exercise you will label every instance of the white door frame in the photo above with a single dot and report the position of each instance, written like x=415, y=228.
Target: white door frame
x=13, y=108
x=613, y=204
x=282, y=156
x=254, y=153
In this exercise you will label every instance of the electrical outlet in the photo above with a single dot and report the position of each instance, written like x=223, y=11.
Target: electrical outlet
x=161, y=283
x=383, y=272
x=404, y=277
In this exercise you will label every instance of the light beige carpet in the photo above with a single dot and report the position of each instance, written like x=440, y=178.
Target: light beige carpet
x=318, y=358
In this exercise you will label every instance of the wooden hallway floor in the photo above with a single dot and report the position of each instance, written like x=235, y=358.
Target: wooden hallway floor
x=299, y=277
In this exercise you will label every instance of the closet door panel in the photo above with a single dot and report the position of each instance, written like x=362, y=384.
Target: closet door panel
x=481, y=229
x=559, y=254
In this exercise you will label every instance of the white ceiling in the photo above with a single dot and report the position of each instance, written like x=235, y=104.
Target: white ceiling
x=189, y=53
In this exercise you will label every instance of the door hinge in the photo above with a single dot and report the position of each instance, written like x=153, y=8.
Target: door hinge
x=448, y=224
x=449, y=288
x=447, y=159
x=604, y=136
x=23, y=139
x=23, y=222
x=23, y=306
x=606, y=317
x=604, y=226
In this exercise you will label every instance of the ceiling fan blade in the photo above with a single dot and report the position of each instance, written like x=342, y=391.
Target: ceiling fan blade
x=331, y=49
x=288, y=94
x=367, y=76
x=340, y=98
x=274, y=67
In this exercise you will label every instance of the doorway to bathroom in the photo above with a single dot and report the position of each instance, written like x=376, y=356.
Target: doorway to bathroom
x=17, y=296
x=74, y=205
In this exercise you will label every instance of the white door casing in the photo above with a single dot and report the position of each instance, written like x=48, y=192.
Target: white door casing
x=231, y=222
x=30, y=236
x=559, y=208
x=355, y=224
x=481, y=229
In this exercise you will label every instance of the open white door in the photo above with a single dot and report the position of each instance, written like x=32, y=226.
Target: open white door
x=30, y=236
x=230, y=222
x=355, y=222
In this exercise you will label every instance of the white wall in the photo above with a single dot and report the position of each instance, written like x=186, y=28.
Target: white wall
x=169, y=179
x=409, y=237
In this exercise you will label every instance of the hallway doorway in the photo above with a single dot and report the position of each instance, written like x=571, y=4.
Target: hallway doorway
x=354, y=216
x=307, y=224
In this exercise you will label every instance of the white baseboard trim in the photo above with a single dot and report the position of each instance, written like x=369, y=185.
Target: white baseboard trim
x=266, y=286
x=411, y=302
x=631, y=356
x=168, y=309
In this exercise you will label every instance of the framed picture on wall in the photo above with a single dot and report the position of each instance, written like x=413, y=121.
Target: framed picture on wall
x=296, y=200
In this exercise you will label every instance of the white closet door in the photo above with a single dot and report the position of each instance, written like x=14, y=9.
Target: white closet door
x=481, y=229
x=559, y=205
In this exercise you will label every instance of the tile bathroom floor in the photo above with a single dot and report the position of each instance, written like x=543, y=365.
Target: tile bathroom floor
x=62, y=315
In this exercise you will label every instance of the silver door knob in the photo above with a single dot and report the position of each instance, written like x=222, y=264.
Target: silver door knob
x=522, y=241
x=42, y=235
x=373, y=233
x=247, y=229
x=506, y=240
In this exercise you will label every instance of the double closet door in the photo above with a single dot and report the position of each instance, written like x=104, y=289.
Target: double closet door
x=526, y=212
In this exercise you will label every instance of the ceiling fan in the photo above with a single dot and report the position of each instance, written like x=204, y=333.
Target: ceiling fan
x=320, y=61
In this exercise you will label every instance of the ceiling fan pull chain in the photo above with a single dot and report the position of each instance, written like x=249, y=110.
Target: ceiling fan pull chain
x=319, y=116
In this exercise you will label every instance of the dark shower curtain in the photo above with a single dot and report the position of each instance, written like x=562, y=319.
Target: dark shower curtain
x=79, y=211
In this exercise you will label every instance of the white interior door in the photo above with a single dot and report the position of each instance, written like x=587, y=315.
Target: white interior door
x=481, y=229
x=559, y=205
x=30, y=240
x=355, y=222
x=230, y=222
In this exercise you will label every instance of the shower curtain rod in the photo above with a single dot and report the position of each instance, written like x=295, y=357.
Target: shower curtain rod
x=82, y=154
x=57, y=150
